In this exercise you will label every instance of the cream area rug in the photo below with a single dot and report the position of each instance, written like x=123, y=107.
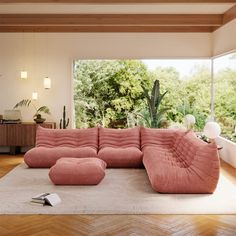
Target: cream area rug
x=122, y=191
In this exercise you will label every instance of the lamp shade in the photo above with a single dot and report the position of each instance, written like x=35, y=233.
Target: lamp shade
x=212, y=130
x=23, y=74
x=47, y=83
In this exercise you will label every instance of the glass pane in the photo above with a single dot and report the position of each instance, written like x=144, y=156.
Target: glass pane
x=225, y=94
x=111, y=93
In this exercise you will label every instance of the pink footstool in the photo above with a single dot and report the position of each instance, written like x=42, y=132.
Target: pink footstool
x=77, y=171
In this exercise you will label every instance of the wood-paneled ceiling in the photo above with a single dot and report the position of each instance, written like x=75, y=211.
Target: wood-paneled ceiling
x=115, y=15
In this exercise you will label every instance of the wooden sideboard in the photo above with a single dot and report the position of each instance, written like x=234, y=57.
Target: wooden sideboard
x=20, y=135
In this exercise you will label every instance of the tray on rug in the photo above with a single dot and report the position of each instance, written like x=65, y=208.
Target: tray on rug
x=122, y=191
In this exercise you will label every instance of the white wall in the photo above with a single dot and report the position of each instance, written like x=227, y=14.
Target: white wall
x=63, y=48
x=224, y=39
x=228, y=153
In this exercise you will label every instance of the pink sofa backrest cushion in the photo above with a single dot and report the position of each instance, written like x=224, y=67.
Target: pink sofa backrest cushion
x=119, y=137
x=190, y=147
x=67, y=137
x=160, y=137
x=184, y=144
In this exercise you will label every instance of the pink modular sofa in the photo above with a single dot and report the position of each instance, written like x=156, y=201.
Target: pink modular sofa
x=176, y=161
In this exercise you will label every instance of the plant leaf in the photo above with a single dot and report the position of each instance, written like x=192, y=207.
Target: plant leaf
x=155, y=91
x=158, y=102
x=148, y=101
x=145, y=118
x=24, y=102
x=44, y=109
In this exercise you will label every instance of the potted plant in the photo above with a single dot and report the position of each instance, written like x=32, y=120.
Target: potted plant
x=38, y=115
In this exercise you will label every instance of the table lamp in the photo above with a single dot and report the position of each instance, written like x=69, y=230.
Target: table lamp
x=212, y=130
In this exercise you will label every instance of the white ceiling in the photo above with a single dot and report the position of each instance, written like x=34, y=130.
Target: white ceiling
x=119, y=9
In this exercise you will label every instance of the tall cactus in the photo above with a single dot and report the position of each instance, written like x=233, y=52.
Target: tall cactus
x=154, y=101
x=63, y=123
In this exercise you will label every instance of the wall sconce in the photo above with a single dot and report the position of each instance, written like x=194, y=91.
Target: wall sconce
x=23, y=75
x=34, y=96
x=47, y=83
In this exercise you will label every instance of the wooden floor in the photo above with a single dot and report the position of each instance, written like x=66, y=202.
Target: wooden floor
x=56, y=225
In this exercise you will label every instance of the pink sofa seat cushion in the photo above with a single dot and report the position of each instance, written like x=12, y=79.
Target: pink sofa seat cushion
x=67, y=137
x=121, y=157
x=74, y=171
x=119, y=137
x=44, y=157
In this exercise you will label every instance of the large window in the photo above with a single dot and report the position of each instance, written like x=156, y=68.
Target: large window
x=225, y=94
x=111, y=92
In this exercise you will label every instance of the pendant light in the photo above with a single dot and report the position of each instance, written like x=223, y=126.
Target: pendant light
x=23, y=73
x=47, y=80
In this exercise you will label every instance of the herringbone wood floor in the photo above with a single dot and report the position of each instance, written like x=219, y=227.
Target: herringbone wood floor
x=57, y=225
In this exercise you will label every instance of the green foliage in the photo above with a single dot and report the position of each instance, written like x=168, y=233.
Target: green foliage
x=225, y=101
x=27, y=102
x=106, y=91
x=190, y=96
x=189, y=106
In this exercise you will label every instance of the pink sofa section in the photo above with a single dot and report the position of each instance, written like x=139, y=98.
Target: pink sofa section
x=52, y=144
x=120, y=147
x=78, y=171
x=179, y=162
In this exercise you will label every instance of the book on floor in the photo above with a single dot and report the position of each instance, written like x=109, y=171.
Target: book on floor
x=51, y=199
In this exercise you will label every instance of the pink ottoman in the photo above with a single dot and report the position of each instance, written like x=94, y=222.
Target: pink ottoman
x=77, y=171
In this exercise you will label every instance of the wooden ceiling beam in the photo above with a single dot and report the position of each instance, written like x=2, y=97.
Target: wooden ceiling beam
x=108, y=29
x=111, y=19
x=117, y=1
x=229, y=15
